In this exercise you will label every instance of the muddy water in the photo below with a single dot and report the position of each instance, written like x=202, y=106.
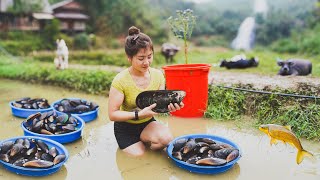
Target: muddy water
x=97, y=156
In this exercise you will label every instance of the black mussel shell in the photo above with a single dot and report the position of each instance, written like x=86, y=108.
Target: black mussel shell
x=82, y=108
x=233, y=155
x=38, y=164
x=43, y=146
x=223, y=153
x=53, y=152
x=6, y=146
x=162, y=97
x=178, y=144
x=4, y=157
x=75, y=102
x=32, y=117
x=18, y=105
x=211, y=161
x=59, y=158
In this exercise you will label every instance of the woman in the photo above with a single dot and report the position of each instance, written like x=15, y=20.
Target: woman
x=133, y=129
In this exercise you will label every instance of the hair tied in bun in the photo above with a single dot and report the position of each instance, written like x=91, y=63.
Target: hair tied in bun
x=133, y=30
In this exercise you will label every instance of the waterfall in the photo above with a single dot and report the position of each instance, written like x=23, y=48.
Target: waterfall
x=245, y=36
x=246, y=32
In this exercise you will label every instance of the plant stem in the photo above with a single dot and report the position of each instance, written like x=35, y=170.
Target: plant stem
x=185, y=42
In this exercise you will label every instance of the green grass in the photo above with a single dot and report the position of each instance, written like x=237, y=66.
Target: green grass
x=267, y=59
x=93, y=81
x=302, y=114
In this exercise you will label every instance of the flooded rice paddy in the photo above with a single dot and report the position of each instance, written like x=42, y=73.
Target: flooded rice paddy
x=96, y=154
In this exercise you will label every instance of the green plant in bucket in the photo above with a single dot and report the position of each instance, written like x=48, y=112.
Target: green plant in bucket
x=182, y=27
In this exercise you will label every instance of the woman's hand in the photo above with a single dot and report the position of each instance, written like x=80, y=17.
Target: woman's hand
x=147, y=112
x=174, y=107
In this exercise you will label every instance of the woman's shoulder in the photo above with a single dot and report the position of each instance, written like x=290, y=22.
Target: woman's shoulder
x=121, y=74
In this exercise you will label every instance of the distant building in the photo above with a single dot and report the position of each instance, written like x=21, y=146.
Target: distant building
x=71, y=16
x=70, y=13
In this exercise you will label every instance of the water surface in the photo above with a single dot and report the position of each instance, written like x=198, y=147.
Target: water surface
x=96, y=154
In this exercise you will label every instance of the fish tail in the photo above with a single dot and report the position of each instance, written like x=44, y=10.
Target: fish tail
x=301, y=154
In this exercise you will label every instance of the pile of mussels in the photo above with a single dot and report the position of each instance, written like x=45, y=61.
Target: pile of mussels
x=50, y=123
x=30, y=153
x=28, y=103
x=75, y=106
x=203, y=151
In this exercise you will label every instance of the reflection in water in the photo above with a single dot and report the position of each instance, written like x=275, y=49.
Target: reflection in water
x=96, y=154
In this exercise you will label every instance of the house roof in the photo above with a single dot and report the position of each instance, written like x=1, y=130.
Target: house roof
x=71, y=16
x=59, y=4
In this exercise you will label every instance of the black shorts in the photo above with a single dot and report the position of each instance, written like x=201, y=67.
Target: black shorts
x=127, y=133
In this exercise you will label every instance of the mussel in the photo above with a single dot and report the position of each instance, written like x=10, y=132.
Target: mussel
x=162, y=97
x=31, y=153
x=203, y=151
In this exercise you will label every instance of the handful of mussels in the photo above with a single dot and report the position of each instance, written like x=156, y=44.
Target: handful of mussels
x=28, y=103
x=77, y=106
x=30, y=153
x=203, y=151
x=162, y=97
x=50, y=123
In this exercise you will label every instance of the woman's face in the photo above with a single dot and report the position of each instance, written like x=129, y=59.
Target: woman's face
x=142, y=60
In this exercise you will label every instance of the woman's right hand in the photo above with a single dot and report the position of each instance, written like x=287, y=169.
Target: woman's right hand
x=147, y=112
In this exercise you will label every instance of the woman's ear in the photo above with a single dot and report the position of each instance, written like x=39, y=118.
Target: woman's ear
x=129, y=59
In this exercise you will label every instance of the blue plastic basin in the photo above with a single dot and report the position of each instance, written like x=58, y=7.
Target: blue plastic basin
x=204, y=169
x=24, y=113
x=61, y=138
x=37, y=171
x=86, y=117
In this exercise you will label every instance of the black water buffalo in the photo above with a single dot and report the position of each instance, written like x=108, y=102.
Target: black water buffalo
x=169, y=50
x=295, y=67
x=240, y=64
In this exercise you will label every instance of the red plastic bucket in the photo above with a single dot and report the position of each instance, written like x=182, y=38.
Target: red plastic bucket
x=192, y=78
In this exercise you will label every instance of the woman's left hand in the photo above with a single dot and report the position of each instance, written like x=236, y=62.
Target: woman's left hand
x=174, y=107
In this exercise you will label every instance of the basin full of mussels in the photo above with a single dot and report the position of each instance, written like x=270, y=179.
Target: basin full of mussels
x=32, y=156
x=26, y=106
x=202, y=153
x=85, y=109
x=63, y=128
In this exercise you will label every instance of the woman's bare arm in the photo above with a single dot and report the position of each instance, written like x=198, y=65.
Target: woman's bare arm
x=115, y=114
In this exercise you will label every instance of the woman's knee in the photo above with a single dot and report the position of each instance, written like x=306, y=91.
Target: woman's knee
x=135, y=150
x=165, y=140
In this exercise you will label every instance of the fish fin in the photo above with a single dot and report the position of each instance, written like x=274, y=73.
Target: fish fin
x=301, y=154
x=291, y=144
x=288, y=127
x=273, y=141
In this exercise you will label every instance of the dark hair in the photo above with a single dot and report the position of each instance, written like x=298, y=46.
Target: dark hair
x=136, y=40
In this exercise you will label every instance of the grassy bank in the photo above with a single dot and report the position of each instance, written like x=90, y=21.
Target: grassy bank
x=95, y=82
x=300, y=113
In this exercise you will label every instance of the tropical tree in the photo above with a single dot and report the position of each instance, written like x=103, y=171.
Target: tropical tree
x=26, y=6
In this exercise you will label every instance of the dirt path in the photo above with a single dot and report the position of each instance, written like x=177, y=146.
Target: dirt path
x=262, y=81
x=229, y=78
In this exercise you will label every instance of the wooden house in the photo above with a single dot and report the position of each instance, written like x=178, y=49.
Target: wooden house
x=70, y=14
x=26, y=20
